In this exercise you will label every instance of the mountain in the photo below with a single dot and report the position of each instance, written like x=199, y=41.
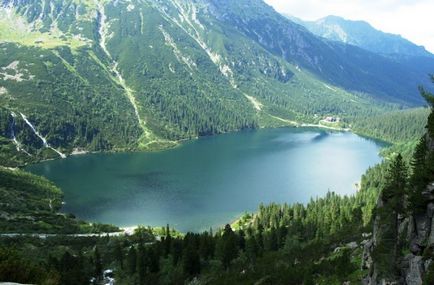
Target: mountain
x=98, y=75
x=362, y=34
x=344, y=65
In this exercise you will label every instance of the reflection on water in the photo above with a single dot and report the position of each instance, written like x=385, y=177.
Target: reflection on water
x=210, y=181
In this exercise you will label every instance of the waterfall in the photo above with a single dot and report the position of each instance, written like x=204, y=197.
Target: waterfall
x=13, y=137
x=43, y=139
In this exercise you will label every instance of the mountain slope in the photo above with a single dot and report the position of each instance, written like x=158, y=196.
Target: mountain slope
x=362, y=34
x=101, y=75
x=144, y=74
x=343, y=65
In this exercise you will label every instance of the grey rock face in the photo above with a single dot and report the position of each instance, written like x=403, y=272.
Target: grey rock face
x=413, y=274
x=415, y=231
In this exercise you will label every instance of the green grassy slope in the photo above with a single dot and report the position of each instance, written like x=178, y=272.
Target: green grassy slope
x=143, y=75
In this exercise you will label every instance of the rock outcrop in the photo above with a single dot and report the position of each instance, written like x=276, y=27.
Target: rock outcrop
x=406, y=257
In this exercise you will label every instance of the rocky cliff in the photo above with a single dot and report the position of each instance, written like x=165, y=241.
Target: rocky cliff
x=401, y=250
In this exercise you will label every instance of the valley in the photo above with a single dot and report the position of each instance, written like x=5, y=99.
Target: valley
x=211, y=142
x=149, y=74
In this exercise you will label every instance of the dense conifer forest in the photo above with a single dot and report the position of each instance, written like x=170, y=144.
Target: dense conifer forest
x=317, y=243
x=144, y=75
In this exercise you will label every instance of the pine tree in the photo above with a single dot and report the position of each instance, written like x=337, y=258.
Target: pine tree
x=154, y=259
x=241, y=240
x=132, y=260
x=227, y=247
x=176, y=251
x=252, y=249
x=118, y=254
x=206, y=246
x=98, y=263
x=141, y=262
x=387, y=217
x=418, y=180
x=167, y=241
x=191, y=260
x=396, y=184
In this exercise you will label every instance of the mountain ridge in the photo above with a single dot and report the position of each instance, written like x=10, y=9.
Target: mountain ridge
x=165, y=71
x=362, y=34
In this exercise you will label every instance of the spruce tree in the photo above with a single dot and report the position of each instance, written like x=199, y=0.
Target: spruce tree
x=396, y=184
x=98, y=263
x=154, y=259
x=132, y=260
x=176, y=250
x=418, y=180
x=118, y=254
x=423, y=160
x=141, y=262
x=191, y=260
x=227, y=247
x=252, y=249
x=167, y=241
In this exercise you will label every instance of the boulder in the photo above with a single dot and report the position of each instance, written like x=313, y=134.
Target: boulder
x=430, y=239
x=430, y=210
x=414, y=272
x=366, y=256
x=352, y=245
x=423, y=227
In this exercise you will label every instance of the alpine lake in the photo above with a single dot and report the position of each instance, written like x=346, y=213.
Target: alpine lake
x=212, y=180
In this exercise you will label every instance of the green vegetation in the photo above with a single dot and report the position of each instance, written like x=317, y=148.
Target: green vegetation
x=317, y=243
x=282, y=244
x=396, y=127
x=147, y=76
x=16, y=29
x=92, y=84
x=31, y=204
x=403, y=195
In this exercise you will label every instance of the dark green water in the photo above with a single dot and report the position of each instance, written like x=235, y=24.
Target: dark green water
x=210, y=181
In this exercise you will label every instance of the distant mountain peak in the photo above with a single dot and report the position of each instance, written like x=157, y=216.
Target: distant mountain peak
x=362, y=34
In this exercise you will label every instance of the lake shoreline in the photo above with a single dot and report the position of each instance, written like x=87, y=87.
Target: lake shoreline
x=179, y=143
x=235, y=158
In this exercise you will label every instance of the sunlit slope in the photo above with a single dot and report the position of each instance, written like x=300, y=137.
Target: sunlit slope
x=102, y=75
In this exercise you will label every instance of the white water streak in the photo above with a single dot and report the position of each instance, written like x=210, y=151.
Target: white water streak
x=14, y=139
x=189, y=17
x=43, y=139
x=103, y=32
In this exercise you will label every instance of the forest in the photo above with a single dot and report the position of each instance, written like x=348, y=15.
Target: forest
x=317, y=243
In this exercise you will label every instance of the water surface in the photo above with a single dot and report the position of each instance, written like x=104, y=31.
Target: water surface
x=210, y=181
